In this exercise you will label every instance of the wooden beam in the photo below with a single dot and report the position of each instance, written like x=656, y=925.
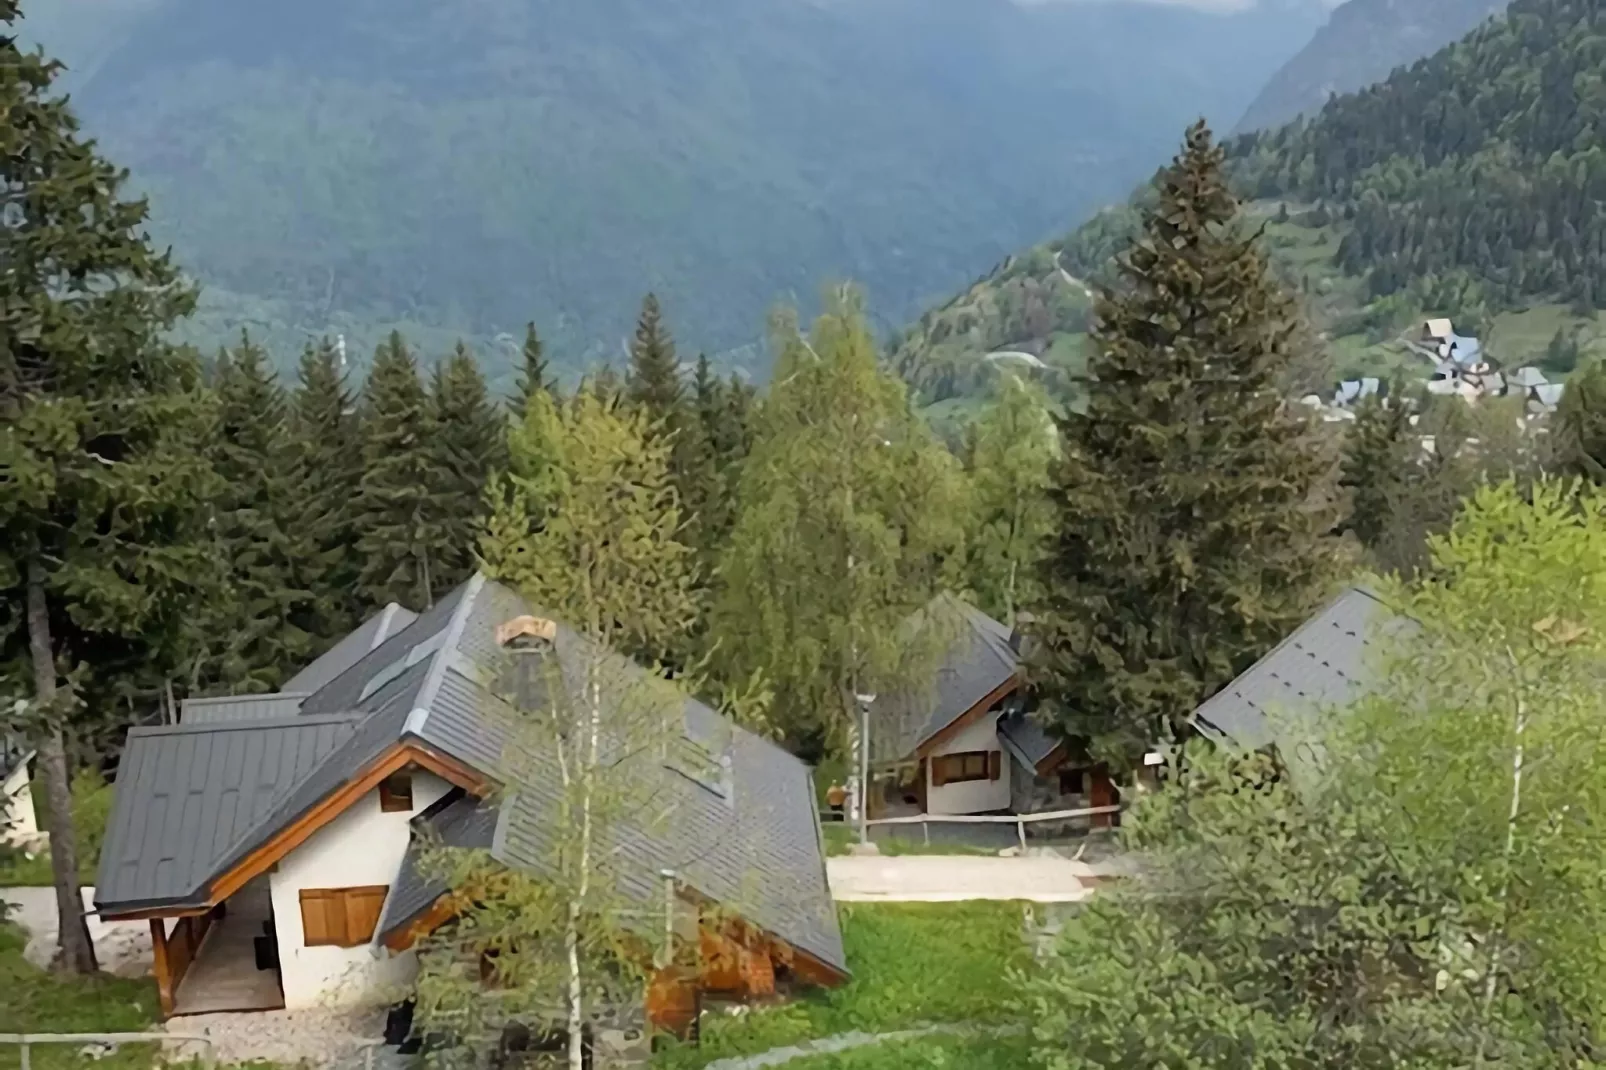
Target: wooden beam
x=970, y=716
x=439, y=913
x=164, y=977
x=153, y=914
x=332, y=806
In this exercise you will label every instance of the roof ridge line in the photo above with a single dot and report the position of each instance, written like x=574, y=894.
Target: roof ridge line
x=253, y=696
x=438, y=660
x=289, y=721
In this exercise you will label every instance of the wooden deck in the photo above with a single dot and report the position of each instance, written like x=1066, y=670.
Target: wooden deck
x=224, y=976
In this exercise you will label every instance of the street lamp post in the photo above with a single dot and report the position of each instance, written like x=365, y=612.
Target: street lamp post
x=864, y=701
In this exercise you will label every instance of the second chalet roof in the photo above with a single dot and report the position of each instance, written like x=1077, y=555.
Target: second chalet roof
x=748, y=826
x=1328, y=662
x=350, y=650
x=978, y=661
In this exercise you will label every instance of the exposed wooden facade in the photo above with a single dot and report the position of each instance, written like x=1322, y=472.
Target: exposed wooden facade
x=175, y=953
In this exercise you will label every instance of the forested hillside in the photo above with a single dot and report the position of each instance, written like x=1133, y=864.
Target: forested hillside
x=471, y=165
x=1469, y=185
x=1361, y=44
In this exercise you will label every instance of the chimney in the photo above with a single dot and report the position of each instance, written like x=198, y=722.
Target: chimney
x=526, y=633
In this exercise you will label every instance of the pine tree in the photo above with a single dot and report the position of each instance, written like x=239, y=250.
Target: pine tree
x=653, y=381
x=1578, y=431
x=1012, y=449
x=1193, y=501
x=1379, y=446
x=397, y=511
x=104, y=498
x=535, y=373
x=264, y=631
x=469, y=440
x=327, y=444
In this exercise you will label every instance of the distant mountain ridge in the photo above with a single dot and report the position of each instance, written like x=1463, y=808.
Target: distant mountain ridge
x=467, y=165
x=1361, y=43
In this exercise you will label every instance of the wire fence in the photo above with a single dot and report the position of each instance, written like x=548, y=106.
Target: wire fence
x=26, y=1042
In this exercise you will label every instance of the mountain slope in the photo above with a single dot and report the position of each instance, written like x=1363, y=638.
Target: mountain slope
x=1363, y=41
x=471, y=164
x=1472, y=185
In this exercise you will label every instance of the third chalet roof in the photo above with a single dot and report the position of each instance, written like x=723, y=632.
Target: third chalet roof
x=752, y=840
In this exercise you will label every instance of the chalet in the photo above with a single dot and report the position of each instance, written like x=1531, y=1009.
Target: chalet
x=272, y=841
x=19, y=825
x=967, y=744
x=1328, y=662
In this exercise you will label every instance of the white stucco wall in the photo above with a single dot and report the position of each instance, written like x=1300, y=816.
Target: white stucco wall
x=973, y=796
x=363, y=846
x=18, y=822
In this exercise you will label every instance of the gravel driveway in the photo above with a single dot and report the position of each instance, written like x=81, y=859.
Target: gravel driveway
x=123, y=947
x=951, y=878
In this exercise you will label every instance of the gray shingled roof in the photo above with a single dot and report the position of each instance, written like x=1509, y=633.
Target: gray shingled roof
x=240, y=708
x=978, y=660
x=1328, y=662
x=350, y=650
x=748, y=836
x=186, y=794
x=1025, y=738
x=456, y=821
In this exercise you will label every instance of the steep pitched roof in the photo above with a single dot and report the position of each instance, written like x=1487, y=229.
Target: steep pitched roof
x=744, y=832
x=978, y=661
x=186, y=794
x=240, y=708
x=1020, y=733
x=1327, y=662
x=346, y=653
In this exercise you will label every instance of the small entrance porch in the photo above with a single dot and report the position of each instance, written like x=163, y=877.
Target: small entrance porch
x=224, y=960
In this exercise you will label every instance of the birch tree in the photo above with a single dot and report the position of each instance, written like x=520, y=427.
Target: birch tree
x=849, y=519
x=588, y=537
x=1013, y=447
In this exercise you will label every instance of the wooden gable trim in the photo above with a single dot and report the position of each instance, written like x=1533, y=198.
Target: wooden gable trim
x=439, y=913
x=1052, y=760
x=152, y=914
x=332, y=806
x=969, y=717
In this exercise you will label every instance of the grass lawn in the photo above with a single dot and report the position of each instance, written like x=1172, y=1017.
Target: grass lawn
x=913, y=964
x=947, y=1052
x=32, y=1000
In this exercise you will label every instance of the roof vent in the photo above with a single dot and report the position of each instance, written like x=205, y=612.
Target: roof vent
x=526, y=633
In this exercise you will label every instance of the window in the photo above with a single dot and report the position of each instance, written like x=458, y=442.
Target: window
x=396, y=793
x=341, y=917
x=1071, y=782
x=966, y=766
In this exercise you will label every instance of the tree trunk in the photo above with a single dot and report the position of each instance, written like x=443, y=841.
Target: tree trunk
x=77, y=951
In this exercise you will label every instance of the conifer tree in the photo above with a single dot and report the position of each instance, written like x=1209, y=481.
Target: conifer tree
x=327, y=445
x=535, y=372
x=1013, y=446
x=469, y=439
x=1377, y=451
x=398, y=516
x=103, y=502
x=1578, y=434
x=1194, y=503
x=653, y=381
x=265, y=633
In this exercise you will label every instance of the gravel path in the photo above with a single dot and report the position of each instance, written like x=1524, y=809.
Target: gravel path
x=317, y=1037
x=951, y=878
x=123, y=947
x=840, y=1042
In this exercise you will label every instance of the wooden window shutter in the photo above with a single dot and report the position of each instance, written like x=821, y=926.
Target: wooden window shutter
x=321, y=923
x=995, y=764
x=939, y=772
x=362, y=909
x=396, y=793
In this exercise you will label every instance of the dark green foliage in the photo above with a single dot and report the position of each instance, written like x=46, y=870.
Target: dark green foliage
x=535, y=371
x=103, y=483
x=398, y=514
x=653, y=379
x=1192, y=501
x=469, y=439
x=1380, y=444
x=328, y=463
x=104, y=489
x=268, y=615
x=1578, y=430
x=1445, y=175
